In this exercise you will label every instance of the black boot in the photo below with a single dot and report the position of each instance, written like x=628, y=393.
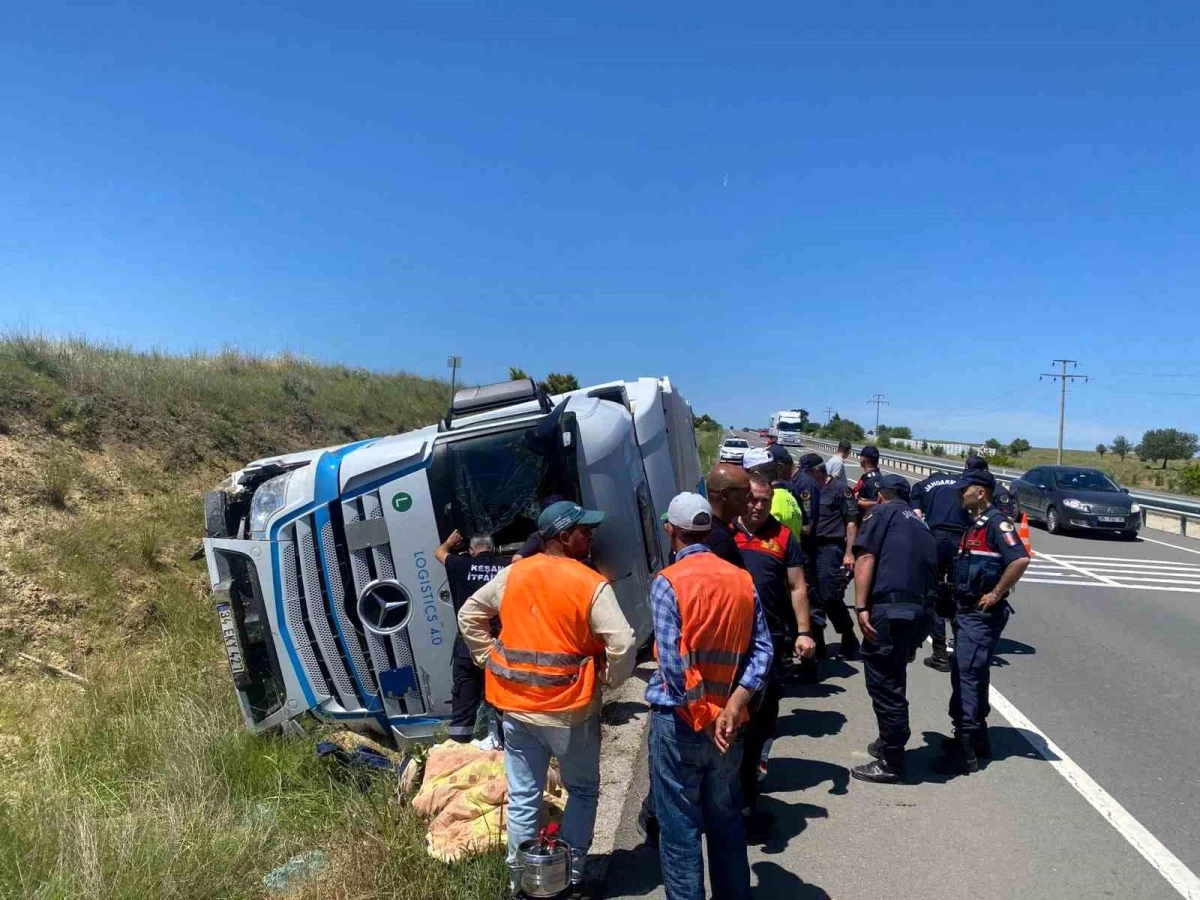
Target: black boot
x=875, y=748
x=983, y=743
x=887, y=769
x=850, y=646
x=939, y=659
x=958, y=756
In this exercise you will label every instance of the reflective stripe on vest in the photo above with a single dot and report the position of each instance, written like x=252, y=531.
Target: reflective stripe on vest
x=544, y=659
x=716, y=612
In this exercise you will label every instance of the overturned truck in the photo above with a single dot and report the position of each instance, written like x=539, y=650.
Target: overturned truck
x=327, y=592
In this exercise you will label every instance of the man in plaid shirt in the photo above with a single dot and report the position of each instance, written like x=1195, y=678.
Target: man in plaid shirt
x=694, y=773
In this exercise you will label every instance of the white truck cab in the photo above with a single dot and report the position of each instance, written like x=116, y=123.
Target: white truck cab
x=328, y=595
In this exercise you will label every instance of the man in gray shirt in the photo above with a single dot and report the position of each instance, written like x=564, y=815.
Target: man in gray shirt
x=835, y=466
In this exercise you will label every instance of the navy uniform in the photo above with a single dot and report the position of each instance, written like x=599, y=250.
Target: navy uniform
x=897, y=604
x=836, y=509
x=986, y=549
x=466, y=575
x=937, y=498
x=867, y=487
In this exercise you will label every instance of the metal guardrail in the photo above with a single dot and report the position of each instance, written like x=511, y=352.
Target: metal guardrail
x=1166, y=505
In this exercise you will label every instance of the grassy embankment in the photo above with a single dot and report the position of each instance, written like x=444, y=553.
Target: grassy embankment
x=143, y=783
x=709, y=440
x=1132, y=472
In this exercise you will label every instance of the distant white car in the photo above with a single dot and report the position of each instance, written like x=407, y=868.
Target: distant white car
x=734, y=449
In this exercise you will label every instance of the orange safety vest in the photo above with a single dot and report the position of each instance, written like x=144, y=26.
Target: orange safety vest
x=716, y=611
x=545, y=658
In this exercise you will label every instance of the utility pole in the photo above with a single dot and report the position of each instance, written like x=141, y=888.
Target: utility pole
x=1062, y=397
x=878, y=401
x=829, y=411
x=454, y=362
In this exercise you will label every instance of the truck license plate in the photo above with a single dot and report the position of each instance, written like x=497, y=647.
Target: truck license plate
x=233, y=647
x=1110, y=519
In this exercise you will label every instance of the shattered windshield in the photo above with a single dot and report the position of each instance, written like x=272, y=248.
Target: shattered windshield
x=495, y=483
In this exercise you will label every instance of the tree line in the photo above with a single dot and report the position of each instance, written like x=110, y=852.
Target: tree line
x=1157, y=443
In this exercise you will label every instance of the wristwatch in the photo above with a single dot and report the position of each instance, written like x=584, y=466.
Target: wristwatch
x=801, y=634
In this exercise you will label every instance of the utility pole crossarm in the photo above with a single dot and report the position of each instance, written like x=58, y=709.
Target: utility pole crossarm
x=878, y=401
x=1063, y=377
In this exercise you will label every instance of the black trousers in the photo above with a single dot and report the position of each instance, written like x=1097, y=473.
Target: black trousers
x=466, y=693
x=761, y=727
x=899, y=628
x=831, y=585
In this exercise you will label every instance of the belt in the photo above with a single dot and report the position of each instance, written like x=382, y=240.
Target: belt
x=659, y=708
x=896, y=597
x=949, y=529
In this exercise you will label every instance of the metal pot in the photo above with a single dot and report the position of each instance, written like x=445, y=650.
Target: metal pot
x=544, y=867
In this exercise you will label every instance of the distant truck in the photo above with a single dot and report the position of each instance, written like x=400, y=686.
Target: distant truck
x=327, y=592
x=785, y=427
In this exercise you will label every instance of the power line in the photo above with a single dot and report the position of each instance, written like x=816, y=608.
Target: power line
x=829, y=411
x=878, y=401
x=1063, y=377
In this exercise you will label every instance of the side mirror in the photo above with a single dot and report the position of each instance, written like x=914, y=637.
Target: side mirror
x=1124, y=490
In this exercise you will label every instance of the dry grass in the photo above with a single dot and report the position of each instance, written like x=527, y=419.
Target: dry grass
x=145, y=784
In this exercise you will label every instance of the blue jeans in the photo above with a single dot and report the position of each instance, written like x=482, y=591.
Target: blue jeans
x=696, y=793
x=527, y=752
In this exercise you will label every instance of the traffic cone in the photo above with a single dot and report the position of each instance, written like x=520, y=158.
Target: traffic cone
x=1023, y=533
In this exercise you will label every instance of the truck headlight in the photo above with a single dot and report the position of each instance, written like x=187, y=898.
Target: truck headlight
x=1078, y=504
x=1134, y=508
x=270, y=497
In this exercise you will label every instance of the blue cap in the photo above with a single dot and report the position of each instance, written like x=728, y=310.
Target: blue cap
x=896, y=484
x=981, y=477
x=975, y=461
x=780, y=454
x=565, y=515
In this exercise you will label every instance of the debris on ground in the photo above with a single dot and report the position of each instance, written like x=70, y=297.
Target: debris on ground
x=465, y=792
x=295, y=871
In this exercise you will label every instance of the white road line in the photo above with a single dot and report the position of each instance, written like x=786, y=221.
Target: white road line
x=1133, y=567
x=1080, y=569
x=1176, y=546
x=1127, y=559
x=1167, y=863
x=1146, y=578
x=1131, y=586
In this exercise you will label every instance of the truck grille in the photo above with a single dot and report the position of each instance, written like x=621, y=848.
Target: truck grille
x=340, y=658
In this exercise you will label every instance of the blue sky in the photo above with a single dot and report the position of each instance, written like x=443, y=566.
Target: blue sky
x=792, y=204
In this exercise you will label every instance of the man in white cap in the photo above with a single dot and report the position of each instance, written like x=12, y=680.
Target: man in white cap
x=714, y=654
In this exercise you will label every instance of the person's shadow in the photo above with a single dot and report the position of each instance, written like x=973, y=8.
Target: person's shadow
x=1007, y=743
x=1009, y=647
x=821, y=689
x=810, y=723
x=789, y=773
x=774, y=881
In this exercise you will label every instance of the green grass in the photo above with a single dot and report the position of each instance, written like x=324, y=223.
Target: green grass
x=709, y=440
x=1132, y=472
x=144, y=783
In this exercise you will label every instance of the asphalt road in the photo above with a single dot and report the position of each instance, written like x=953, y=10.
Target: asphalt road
x=1101, y=659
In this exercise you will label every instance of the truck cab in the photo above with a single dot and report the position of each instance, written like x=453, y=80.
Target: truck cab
x=327, y=591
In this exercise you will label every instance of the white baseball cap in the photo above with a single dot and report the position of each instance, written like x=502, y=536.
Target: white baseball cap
x=691, y=512
x=756, y=456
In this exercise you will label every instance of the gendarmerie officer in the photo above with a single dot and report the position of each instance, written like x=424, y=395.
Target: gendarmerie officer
x=895, y=576
x=990, y=560
x=937, y=499
x=866, y=491
x=834, y=532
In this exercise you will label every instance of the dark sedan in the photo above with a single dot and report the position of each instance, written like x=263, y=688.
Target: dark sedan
x=1068, y=497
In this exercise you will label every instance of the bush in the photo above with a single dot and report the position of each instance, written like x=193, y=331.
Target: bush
x=57, y=478
x=1189, y=479
x=937, y=450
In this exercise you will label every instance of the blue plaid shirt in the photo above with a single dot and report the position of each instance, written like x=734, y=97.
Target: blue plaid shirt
x=666, y=687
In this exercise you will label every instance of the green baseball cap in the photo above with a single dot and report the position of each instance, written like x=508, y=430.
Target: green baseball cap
x=560, y=516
